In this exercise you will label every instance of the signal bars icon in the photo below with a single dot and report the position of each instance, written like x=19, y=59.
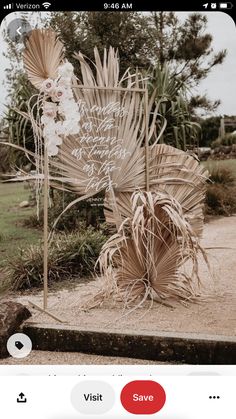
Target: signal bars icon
x=8, y=6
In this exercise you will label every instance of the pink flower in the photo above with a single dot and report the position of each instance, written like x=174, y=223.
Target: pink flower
x=48, y=86
x=58, y=94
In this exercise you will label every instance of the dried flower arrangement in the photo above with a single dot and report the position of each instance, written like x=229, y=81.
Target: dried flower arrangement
x=100, y=135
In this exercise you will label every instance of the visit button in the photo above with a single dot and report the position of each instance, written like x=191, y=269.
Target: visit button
x=143, y=397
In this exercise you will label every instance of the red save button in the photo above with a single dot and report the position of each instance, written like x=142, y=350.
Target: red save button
x=143, y=397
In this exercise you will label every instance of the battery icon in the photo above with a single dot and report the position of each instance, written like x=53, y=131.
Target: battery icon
x=225, y=5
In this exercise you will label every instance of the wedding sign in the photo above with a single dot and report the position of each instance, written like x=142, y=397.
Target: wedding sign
x=101, y=135
x=99, y=143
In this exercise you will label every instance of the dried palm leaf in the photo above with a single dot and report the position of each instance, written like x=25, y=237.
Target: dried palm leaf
x=182, y=177
x=157, y=230
x=42, y=56
x=127, y=131
x=153, y=244
x=179, y=175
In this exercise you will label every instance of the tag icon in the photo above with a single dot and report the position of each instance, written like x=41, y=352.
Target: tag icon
x=19, y=345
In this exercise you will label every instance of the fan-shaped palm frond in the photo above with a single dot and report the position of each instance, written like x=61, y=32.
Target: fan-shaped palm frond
x=179, y=175
x=42, y=56
x=107, y=71
x=123, y=127
x=154, y=242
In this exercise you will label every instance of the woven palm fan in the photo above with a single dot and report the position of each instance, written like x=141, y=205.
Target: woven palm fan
x=42, y=56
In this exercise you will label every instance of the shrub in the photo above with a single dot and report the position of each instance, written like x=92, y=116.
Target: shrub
x=220, y=200
x=69, y=255
x=227, y=140
x=5, y=160
x=83, y=211
x=221, y=192
x=221, y=175
x=216, y=143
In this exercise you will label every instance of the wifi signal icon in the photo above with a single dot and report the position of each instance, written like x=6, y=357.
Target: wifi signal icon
x=46, y=5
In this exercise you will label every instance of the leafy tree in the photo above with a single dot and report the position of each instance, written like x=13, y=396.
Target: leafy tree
x=19, y=129
x=152, y=42
x=185, y=44
x=187, y=47
x=145, y=41
x=85, y=30
x=210, y=130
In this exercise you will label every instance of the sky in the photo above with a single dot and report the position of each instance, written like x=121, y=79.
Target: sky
x=220, y=83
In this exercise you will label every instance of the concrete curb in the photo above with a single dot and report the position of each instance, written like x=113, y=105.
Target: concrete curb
x=187, y=348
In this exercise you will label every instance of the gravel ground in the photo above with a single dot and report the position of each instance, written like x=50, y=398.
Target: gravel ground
x=73, y=358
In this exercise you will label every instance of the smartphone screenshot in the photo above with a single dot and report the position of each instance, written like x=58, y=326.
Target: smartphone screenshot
x=117, y=210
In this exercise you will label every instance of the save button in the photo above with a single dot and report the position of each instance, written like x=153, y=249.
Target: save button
x=143, y=397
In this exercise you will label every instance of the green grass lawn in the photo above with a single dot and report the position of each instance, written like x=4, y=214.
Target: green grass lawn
x=13, y=235
x=230, y=164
